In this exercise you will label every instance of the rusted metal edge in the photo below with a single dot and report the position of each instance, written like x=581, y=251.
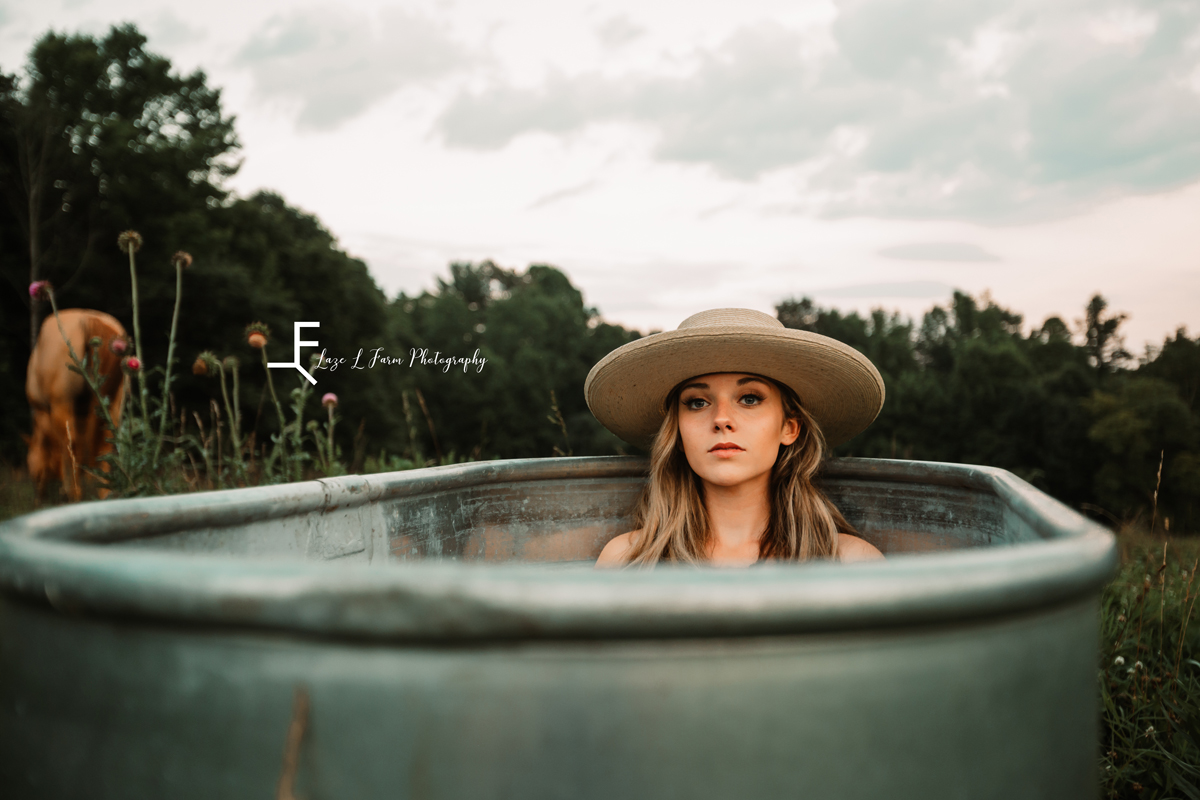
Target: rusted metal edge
x=470, y=601
x=122, y=520
x=462, y=601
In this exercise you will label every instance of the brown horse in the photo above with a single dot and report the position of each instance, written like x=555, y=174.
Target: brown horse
x=68, y=431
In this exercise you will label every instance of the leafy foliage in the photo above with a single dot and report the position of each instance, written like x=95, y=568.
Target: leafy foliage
x=539, y=340
x=968, y=386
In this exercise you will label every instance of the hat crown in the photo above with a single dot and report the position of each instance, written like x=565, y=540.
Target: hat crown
x=730, y=317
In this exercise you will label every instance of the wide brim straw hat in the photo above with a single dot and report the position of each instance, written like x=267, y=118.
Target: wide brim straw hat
x=839, y=386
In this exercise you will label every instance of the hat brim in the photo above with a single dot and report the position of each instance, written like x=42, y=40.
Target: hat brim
x=839, y=386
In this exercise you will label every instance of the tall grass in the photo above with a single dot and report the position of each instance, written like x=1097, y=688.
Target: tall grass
x=1149, y=675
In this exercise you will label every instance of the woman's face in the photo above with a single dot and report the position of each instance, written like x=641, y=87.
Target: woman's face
x=732, y=425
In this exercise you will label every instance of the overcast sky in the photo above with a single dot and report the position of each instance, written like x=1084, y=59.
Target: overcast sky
x=677, y=156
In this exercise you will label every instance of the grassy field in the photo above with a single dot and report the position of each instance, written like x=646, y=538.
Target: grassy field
x=1148, y=673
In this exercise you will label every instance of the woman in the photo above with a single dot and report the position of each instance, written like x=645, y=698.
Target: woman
x=737, y=412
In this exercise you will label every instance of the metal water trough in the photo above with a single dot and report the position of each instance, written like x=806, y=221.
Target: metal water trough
x=439, y=634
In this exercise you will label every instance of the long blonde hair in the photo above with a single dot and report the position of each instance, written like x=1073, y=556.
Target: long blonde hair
x=671, y=519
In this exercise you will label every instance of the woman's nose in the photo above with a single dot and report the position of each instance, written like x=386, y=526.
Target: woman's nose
x=723, y=415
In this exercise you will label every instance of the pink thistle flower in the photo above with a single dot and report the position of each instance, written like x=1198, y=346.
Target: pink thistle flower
x=40, y=290
x=257, y=335
x=131, y=364
x=329, y=400
x=118, y=345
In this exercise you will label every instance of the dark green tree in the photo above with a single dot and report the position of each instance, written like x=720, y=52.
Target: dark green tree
x=1105, y=346
x=99, y=136
x=1177, y=362
x=968, y=386
x=540, y=341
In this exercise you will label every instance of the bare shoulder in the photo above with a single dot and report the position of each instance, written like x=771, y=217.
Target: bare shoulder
x=852, y=548
x=613, y=554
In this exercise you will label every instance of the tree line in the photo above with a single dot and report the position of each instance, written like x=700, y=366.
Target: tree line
x=1075, y=415
x=99, y=135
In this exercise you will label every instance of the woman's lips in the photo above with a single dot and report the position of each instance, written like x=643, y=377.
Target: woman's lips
x=726, y=449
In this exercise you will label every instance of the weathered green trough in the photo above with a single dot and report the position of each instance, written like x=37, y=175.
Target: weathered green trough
x=452, y=642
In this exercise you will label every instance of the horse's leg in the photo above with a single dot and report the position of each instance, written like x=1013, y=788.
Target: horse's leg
x=62, y=424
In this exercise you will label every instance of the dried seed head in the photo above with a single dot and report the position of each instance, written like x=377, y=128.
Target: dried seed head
x=329, y=400
x=231, y=362
x=129, y=241
x=206, y=364
x=40, y=290
x=257, y=335
x=1119, y=661
x=181, y=260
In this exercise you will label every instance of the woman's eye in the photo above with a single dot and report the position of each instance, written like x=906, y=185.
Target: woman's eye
x=694, y=403
x=751, y=399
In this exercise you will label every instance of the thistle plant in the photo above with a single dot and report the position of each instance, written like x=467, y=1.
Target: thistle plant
x=414, y=448
x=325, y=447
x=180, y=261
x=557, y=420
x=293, y=464
x=231, y=365
x=143, y=462
x=130, y=242
x=207, y=364
x=257, y=336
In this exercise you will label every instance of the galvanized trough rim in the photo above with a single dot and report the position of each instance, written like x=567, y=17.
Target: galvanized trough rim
x=58, y=556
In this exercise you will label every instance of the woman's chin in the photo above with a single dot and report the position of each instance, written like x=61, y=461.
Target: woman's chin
x=733, y=475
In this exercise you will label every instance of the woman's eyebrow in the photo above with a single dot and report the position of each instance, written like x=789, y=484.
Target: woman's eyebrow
x=749, y=379
x=694, y=386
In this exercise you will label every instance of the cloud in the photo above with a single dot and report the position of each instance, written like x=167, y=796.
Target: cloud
x=563, y=194
x=168, y=29
x=741, y=111
x=337, y=64
x=990, y=110
x=938, y=251
x=618, y=31
x=913, y=289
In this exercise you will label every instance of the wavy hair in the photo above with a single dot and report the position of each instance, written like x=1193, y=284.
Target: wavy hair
x=671, y=519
